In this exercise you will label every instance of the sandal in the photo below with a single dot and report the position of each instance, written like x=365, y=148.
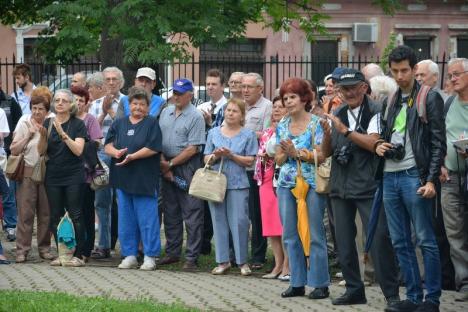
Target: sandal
x=74, y=262
x=222, y=268
x=56, y=262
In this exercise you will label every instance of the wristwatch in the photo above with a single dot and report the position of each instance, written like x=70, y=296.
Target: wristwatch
x=348, y=133
x=170, y=164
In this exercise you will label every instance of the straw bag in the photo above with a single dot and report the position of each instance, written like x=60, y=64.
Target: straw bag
x=209, y=184
x=322, y=175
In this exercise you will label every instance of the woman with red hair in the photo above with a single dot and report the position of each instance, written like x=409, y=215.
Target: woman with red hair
x=81, y=96
x=297, y=138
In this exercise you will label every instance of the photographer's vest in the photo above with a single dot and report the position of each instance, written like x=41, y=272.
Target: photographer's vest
x=356, y=179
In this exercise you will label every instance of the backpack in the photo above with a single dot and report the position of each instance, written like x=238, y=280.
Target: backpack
x=420, y=103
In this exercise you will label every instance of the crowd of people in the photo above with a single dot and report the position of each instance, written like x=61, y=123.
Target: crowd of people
x=395, y=145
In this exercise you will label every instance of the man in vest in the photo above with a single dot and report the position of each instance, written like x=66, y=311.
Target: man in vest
x=353, y=185
x=412, y=147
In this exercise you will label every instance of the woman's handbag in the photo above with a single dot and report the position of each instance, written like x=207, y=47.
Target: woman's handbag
x=100, y=177
x=322, y=175
x=15, y=167
x=209, y=184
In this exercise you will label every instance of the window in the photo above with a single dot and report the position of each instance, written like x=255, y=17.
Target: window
x=245, y=55
x=324, y=55
x=462, y=46
x=421, y=45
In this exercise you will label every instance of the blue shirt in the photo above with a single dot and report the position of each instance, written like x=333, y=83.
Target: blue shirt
x=288, y=171
x=23, y=100
x=155, y=105
x=244, y=143
x=178, y=132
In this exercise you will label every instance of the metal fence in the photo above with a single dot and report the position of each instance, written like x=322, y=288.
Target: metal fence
x=274, y=69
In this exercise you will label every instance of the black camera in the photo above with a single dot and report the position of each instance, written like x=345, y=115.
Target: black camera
x=396, y=152
x=343, y=156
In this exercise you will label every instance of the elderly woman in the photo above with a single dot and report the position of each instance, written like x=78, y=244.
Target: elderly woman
x=237, y=146
x=65, y=175
x=264, y=172
x=296, y=138
x=382, y=87
x=134, y=143
x=81, y=97
x=31, y=196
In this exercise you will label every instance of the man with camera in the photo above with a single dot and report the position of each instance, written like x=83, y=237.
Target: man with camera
x=412, y=147
x=351, y=142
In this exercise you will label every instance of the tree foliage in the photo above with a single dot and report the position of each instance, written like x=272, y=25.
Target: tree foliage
x=159, y=30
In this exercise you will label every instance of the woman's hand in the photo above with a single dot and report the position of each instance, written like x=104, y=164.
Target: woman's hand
x=305, y=155
x=288, y=147
x=126, y=160
x=42, y=132
x=223, y=152
x=119, y=153
x=59, y=129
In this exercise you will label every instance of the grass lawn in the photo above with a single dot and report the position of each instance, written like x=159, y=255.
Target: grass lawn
x=26, y=301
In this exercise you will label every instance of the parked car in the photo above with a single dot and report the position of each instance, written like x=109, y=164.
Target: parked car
x=199, y=93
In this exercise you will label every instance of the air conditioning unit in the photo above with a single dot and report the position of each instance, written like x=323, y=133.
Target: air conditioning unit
x=365, y=32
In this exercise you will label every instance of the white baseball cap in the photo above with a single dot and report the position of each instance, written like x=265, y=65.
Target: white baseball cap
x=146, y=72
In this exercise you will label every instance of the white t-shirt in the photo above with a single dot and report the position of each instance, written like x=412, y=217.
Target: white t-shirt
x=4, y=129
x=373, y=123
x=207, y=105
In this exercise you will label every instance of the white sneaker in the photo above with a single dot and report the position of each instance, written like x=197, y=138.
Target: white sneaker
x=149, y=264
x=130, y=262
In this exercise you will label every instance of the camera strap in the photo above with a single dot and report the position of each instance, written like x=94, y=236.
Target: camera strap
x=358, y=118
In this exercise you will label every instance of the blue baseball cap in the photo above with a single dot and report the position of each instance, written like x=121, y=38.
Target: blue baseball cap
x=182, y=85
x=350, y=76
x=335, y=75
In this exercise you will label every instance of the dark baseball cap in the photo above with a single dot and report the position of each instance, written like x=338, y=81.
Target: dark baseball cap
x=350, y=76
x=182, y=85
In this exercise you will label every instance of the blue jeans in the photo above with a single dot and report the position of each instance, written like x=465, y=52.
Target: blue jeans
x=103, y=205
x=138, y=221
x=404, y=207
x=317, y=275
x=9, y=206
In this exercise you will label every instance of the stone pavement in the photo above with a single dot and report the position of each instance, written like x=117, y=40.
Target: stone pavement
x=199, y=290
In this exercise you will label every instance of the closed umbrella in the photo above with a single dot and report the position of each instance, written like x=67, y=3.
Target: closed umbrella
x=300, y=192
x=373, y=219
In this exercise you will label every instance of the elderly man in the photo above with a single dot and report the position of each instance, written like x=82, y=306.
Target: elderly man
x=104, y=109
x=79, y=80
x=372, y=70
x=257, y=118
x=427, y=73
x=145, y=78
x=96, y=86
x=236, y=92
x=355, y=131
x=183, y=134
x=453, y=177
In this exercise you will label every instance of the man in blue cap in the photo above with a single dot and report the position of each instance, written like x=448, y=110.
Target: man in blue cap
x=183, y=134
x=351, y=142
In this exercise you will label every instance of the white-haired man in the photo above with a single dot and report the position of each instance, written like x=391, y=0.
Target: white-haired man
x=453, y=174
x=427, y=73
x=372, y=70
x=257, y=116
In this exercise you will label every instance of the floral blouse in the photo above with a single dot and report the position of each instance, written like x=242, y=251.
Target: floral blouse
x=288, y=171
x=264, y=164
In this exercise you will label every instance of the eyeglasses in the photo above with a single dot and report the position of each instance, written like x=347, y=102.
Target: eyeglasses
x=250, y=87
x=456, y=75
x=235, y=82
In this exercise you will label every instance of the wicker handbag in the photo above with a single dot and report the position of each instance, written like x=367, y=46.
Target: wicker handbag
x=322, y=175
x=15, y=167
x=209, y=184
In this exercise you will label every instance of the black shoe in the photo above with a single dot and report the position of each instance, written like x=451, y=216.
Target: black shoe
x=402, y=306
x=168, y=260
x=428, y=306
x=190, y=266
x=319, y=293
x=392, y=300
x=293, y=292
x=348, y=299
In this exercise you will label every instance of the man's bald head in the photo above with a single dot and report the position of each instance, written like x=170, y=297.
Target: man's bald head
x=372, y=70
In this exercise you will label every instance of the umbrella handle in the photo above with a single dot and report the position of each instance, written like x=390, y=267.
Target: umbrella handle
x=299, y=167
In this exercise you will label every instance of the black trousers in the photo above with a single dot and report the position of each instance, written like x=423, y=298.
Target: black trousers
x=88, y=219
x=381, y=250
x=67, y=198
x=258, y=243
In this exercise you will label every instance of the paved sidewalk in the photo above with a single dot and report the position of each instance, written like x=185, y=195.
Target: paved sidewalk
x=200, y=290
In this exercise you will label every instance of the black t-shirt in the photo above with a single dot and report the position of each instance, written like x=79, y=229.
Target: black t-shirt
x=64, y=167
x=141, y=176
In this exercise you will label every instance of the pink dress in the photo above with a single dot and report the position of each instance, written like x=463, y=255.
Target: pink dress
x=264, y=171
